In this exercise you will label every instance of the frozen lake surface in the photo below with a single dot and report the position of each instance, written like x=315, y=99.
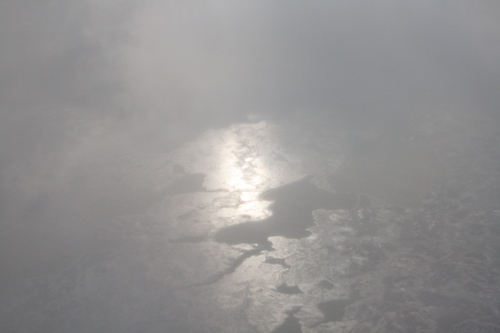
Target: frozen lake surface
x=249, y=166
x=288, y=227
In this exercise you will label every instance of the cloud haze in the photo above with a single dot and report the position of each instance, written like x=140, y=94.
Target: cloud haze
x=82, y=83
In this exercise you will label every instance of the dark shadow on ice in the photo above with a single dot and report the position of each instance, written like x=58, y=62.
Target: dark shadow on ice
x=291, y=209
x=291, y=324
x=230, y=270
x=291, y=216
x=325, y=284
x=333, y=310
x=288, y=290
x=277, y=261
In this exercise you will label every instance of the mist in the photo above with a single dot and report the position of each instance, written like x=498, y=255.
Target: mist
x=139, y=137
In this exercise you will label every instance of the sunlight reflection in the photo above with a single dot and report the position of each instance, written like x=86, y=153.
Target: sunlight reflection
x=243, y=169
x=241, y=162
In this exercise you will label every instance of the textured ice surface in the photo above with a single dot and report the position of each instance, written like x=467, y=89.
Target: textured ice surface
x=286, y=228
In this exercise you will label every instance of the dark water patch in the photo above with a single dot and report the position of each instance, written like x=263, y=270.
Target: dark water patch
x=291, y=209
x=277, y=261
x=289, y=290
x=333, y=310
x=325, y=284
x=230, y=270
x=291, y=324
x=355, y=291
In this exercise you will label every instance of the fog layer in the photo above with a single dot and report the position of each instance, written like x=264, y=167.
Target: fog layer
x=94, y=93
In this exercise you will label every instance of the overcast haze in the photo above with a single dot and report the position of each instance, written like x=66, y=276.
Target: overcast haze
x=99, y=98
